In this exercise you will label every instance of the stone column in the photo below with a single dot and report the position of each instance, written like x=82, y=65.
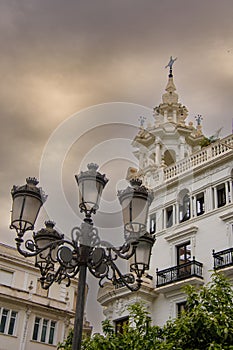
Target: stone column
x=157, y=153
x=215, y=198
x=182, y=147
x=177, y=213
x=194, y=201
x=174, y=214
x=164, y=219
x=231, y=194
x=174, y=116
x=227, y=192
x=209, y=199
x=191, y=206
x=23, y=339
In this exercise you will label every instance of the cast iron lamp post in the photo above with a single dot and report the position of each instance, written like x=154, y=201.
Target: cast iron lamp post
x=59, y=259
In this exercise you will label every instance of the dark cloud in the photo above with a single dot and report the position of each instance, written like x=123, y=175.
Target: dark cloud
x=59, y=56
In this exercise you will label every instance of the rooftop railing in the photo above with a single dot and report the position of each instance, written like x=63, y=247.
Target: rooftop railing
x=211, y=152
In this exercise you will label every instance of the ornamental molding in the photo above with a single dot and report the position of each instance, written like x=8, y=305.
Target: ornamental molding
x=176, y=289
x=121, y=305
x=227, y=217
x=106, y=297
x=187, y=231
x=217, y=169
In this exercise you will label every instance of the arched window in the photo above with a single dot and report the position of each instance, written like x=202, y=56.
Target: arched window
x=169, y=157
x=184, y=206
x=152, y=223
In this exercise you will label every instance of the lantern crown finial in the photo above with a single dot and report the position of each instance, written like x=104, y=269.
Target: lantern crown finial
x=136, y=182
x=49, y=224
x=48, y=231
x=32, y=181
x=92, y=167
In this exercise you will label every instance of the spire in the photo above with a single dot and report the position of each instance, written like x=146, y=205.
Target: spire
x=169, y=139
x=170, y=96
x=170, y=110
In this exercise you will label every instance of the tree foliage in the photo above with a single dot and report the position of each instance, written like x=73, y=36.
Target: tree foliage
x=208, y=321
x=206, y=324
x=67, y=344
x=139, y=334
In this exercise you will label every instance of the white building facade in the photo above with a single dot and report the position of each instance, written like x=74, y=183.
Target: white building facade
x=191, y=215
x=32, y=318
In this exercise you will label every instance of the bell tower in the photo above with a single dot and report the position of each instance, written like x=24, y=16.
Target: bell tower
x=169, y=139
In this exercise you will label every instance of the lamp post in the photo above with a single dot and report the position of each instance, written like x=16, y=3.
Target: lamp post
x=59, y=259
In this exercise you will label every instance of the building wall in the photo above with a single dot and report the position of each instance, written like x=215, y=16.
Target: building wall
x=20, y=291
x=205, y=175
x=206, y=232
x=210, y=230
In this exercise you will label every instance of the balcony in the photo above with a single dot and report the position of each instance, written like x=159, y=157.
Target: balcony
x=214, y=151
x=129, y=279
x=223, y=260
x=110, y=293
x=178, y=273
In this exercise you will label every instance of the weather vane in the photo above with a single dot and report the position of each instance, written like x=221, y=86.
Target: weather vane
x=170, y=64
x=141, y=121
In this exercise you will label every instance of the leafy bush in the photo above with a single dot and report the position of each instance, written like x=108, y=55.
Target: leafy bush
x=206, y=324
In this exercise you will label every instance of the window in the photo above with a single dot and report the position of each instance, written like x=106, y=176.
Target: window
x=183, y=258
x=44, y=330
x=169, y=216
x=183, y=253
x=6, y=277
x=184, y=206
x=120, y=324
x=152, y=227
x=181, y=307
x=221, y=195
x=200, y=203
x=8, y=321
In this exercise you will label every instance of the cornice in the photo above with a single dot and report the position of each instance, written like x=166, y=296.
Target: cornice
x=186, y=231
x=145, y=291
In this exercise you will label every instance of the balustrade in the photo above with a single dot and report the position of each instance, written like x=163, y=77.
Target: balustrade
x=207, y=154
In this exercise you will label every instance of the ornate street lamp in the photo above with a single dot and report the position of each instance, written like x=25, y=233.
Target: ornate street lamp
x=60, y=259
x=135, y=201
x=27, y=201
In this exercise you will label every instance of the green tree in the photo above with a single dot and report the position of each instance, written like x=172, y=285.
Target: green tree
x=206, y=324
x=67, y=344
x=138, y=334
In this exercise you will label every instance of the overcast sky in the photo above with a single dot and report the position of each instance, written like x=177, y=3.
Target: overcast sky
x=59, y=57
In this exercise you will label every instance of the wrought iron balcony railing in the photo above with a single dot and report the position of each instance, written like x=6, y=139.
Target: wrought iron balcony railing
x=223, y=258
x=173, y=274
x=119, y=284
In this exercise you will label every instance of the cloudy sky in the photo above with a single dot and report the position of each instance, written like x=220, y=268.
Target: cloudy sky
x=59, y=57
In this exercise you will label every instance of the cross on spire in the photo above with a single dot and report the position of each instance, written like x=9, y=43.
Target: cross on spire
x=170, y=64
